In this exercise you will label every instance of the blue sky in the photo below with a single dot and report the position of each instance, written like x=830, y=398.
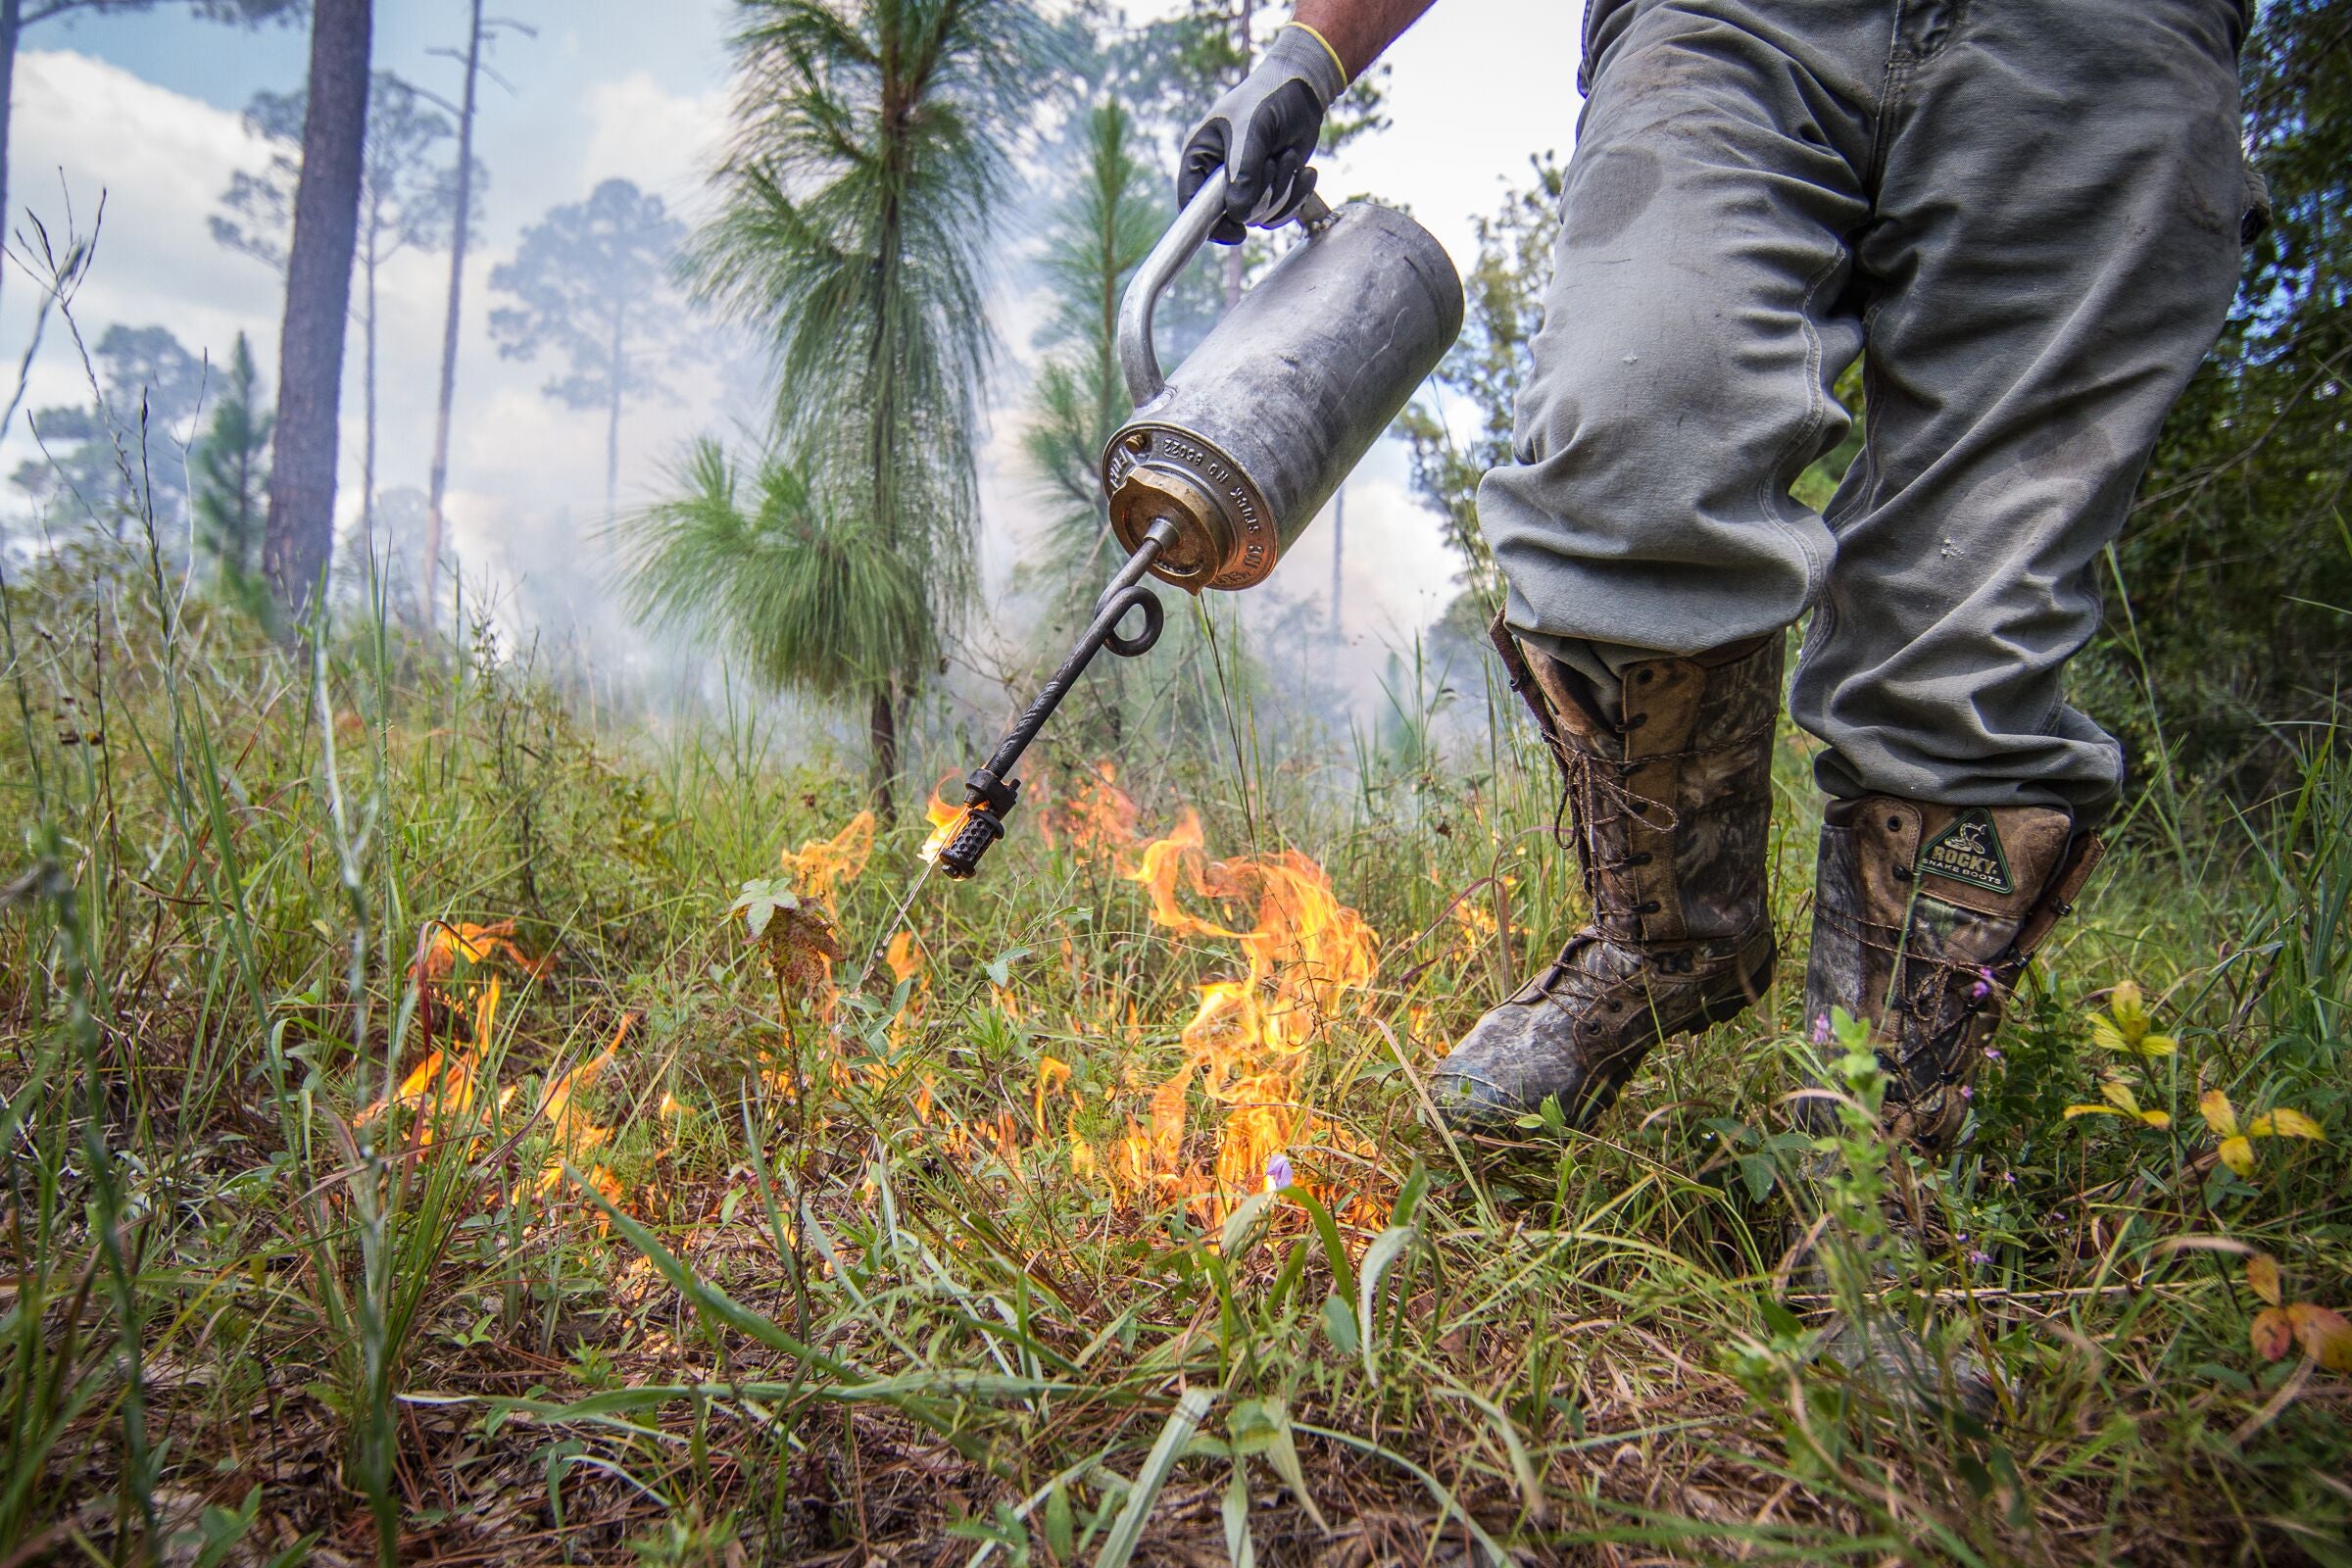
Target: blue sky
x=680, y=42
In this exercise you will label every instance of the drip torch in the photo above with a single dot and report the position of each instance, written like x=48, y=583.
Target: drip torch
x=1225, y=463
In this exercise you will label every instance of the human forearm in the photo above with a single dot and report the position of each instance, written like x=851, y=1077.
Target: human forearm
x=1358, y=30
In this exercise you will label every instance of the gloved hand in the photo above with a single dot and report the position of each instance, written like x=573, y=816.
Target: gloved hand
x=1264, y=132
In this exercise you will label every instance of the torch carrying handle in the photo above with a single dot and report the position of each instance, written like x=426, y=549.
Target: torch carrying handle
x=1138, y=359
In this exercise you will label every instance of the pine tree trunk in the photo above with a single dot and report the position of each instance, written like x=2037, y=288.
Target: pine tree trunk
x=882, y=450
x=12, y=23
x=882, y=726
x=242, y=553
x=438, y=483
x=300, y=539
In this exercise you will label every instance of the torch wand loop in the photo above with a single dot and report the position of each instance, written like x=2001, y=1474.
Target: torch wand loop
x=991, y=793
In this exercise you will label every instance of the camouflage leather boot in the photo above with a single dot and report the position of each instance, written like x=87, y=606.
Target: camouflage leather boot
x=1923, y=919
x=1671, y=801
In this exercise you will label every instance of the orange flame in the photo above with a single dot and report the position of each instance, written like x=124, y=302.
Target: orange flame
x=820, y=867
x=443, y=1083
x=905, y=960
x=1101, y=817
x=440, y=945
x=945, y=819
x=1051, y=1074
x=1308, y=954
x=1167, y=861
x=570, y=1129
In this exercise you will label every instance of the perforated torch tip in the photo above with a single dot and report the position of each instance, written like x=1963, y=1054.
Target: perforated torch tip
x=962, y=856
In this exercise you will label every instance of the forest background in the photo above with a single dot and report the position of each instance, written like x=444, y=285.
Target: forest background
x=477, y=671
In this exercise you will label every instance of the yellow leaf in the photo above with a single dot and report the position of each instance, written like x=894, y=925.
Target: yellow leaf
x=2106, y=1036
x=2119, y=1094
x=2326, y=1337
x=2238, y=1155
x=2271, y=1332
x=2218, y=1113
x=2130, y=1010
x=2157, y=1046
x=2282, y=1123
x=2262, y=1275
x=2129, y=1107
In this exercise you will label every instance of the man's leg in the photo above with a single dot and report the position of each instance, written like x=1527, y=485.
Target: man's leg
x=2054, y=245
x=1653, y=554
x=1692, y=329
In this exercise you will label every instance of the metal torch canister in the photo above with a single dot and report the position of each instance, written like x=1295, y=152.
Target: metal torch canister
x=1243, y=445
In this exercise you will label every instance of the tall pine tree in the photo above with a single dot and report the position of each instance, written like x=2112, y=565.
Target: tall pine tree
x=872, y=154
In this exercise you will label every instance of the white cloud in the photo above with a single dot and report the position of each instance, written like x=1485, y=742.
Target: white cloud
x=664, y=141
x=84, y=126
x=85, y=130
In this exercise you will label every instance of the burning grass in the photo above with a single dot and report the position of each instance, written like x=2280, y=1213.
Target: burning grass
x=1091, y=1217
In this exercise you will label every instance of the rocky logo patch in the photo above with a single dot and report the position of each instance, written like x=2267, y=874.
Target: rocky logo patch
x=1969, y=850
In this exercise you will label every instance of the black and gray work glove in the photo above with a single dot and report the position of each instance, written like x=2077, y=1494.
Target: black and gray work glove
x=1264, y=132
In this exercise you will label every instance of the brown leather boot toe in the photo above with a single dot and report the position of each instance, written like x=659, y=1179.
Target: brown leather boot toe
x=1578, y=1031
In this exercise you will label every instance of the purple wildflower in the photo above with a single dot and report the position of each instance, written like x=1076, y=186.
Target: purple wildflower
x=1992, y=1052
x=1968, y=1091
x=1278, y=1172
x=1821, y=1030
x=1984, y=986
x=1977, y=1254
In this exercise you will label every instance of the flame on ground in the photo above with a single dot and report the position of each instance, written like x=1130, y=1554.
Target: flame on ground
x=1306, y=961
x=1309, y=957
x=446, y=1084
x=904, y=957
x=570, y=1131
x=1303, y=961
x=820, y=868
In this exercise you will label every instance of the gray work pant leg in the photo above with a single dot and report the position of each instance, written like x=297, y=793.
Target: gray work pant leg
x=2029, y=210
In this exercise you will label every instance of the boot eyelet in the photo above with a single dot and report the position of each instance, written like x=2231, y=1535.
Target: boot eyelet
x=1643, y=859
x=1650, y=908
x=1642, y=677
x=1635, y=721
x=1902, y=873
x=1894, y=825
